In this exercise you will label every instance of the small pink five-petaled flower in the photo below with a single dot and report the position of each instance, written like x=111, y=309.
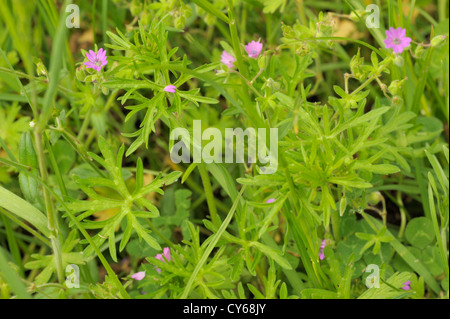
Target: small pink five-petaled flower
x=227, y=59
x=254, y=49
x=406, y=285
x=96, y=60
x=321, y=250
x=166, y=254
x=170, y=88
x=397, y=39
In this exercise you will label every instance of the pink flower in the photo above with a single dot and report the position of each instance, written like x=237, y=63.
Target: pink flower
x=406, y=285
x=397, y=39
x=254, y=49
x=96, y=60
x=166, y=255
x=228, y=59
x=322, y=247
x=170, y=88
x=270, y=200
x=139, y=275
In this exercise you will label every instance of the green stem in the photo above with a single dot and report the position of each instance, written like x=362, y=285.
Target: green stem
x=300, y=7
x=85, y=124
x=250, y=107
x=209, y=194
x=402, y=212
x=247, y=82
x=235, y=40
x=442, y=9
x=55, y=167
x=211, y=245
x=51, y=214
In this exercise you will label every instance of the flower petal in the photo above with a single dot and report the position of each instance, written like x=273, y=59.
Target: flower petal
x=166, y=253
x=254, y=49
x=101, y=54
x=139, y=275
x=227, y=59
x=170, y=89
x=91, y=55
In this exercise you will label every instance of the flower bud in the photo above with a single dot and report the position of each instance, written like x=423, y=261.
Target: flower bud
x=262, y=61
x=397, y=101
x=374, y=198
x=105, y=90
x=80, y=74
x=40, y=67
x=288, y=32
x=270, y=83
x=420, y=51
x=398, y=61
x=356, y=66
x=396, y=86
x=438, y=40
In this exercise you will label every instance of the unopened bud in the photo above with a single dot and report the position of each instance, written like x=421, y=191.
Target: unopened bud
x=396, y=86
x=374, y=198
x=40, y=67
x=398, y=61
x=80, y=74
x=438, y=40
x=397, y=100
x=420, y=51
x=262, y=61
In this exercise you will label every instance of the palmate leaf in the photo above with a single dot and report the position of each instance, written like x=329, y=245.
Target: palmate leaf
x=129, y=205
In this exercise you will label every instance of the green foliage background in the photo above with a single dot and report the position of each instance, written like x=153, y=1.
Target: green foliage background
x=86, y=178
